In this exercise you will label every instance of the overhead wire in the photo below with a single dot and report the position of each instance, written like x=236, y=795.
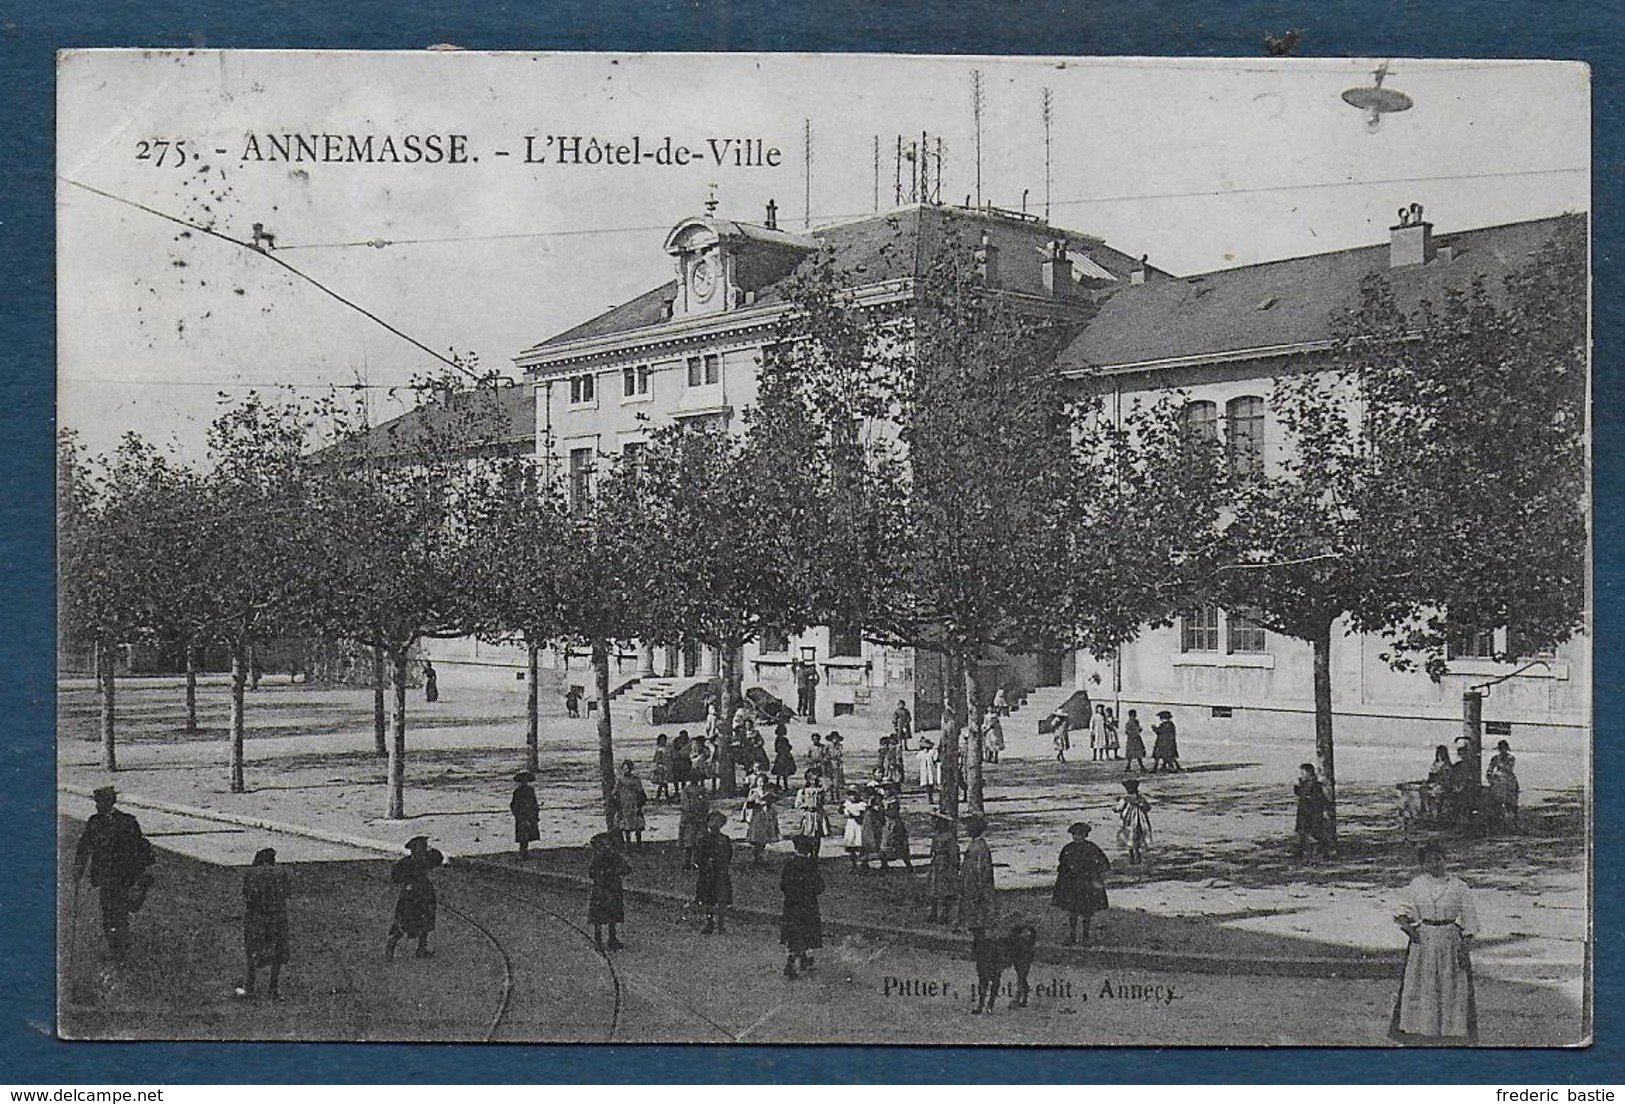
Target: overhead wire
x=269, y=255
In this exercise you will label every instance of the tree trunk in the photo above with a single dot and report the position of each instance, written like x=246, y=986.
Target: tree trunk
x=953, y=712
x=239, y=677
x=973, y=712
x=397, y=740
x=606, y=744
x=533, y=700
x=104, y=683
x=380, y=728
x=191, y=687
x=1324, y=750
x=727, y=705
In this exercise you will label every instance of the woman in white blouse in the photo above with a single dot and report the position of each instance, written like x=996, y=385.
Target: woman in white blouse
x=1435, y=1003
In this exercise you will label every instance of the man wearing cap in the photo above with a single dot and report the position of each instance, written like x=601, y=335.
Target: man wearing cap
x=415, y=907
x=526, y=812
x=117, y=855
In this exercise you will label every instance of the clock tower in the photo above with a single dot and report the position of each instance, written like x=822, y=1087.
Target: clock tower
x=721, y=264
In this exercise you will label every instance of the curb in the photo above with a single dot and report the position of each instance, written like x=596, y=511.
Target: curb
x=1382, y=965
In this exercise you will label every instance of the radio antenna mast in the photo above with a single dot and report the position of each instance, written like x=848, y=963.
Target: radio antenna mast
x=1048, y=112
x=806, y=189
x=976, y=115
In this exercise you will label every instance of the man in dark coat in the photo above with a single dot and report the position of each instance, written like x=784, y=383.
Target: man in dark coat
x=807, y=692
x=526, y=810
x=713, y=884
x=902, y=725
x=415, y=907
x=431, y=682
x=801, y=926
x=117, y=856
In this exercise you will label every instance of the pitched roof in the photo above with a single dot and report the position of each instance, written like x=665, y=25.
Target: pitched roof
x=501, y=419
x=879, y=248
x=1286, y=302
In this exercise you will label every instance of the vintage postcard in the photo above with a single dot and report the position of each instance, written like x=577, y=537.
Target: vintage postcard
x=823, y=549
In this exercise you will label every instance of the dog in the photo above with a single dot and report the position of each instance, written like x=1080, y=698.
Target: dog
x=994, y=954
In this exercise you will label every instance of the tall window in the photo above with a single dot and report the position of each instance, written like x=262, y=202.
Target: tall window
x=1470, y=643
x=1199, y=630
x=1242, y=635
x=582, y=389
x=635, y=381
x=1245, y=437
x=1200, y=420
x=845, y=641
x=581, y=464
x=774, y=642
x=704, y=369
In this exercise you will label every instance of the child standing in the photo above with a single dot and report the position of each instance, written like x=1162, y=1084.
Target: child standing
x=661, y=775
x=691, y=822
x=526, y=812
x=810, y=808
x=1080, y=882
x=713, y=880
x=761, y=819
x=1134, y=812
x=1114, y=747
x=801, y=927
x=607, y=905
x=894, y=837
x=852, y=837
x=874, y=820
x=1133, y=743
x=784, y=761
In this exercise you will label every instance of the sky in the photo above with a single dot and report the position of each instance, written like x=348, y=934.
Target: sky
x=1199, y=164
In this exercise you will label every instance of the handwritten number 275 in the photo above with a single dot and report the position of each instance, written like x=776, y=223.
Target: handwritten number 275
x=162, y=152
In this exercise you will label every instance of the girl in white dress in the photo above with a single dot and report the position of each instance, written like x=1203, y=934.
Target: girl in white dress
x=1435, y=1002
x=852, y=837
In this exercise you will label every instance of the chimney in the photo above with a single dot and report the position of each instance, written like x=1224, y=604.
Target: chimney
x=1137, y=273
x=772, y=215
x=1411, y=241
x=1056, y=268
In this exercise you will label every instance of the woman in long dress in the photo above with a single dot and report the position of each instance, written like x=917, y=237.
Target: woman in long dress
x=978, y=907
x=527, y=812
x=1502, y=777
x=1165, y=751
x=1435, y=1002
x=265, y=920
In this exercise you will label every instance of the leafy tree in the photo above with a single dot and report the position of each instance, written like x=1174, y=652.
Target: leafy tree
x=258, y=566
x=512, y=583
x=1434, y=478
x=605, y=595
x=732, y=522
x=394, y=512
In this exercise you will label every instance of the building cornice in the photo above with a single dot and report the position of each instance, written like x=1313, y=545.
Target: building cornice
x=741, y=325
x=1196, y=360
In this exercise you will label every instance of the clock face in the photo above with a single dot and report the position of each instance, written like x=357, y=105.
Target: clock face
x=702, y=278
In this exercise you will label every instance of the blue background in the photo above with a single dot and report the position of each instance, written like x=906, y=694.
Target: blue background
x=30, y=36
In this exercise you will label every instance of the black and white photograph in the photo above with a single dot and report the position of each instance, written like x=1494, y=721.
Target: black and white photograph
x=823, y=549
